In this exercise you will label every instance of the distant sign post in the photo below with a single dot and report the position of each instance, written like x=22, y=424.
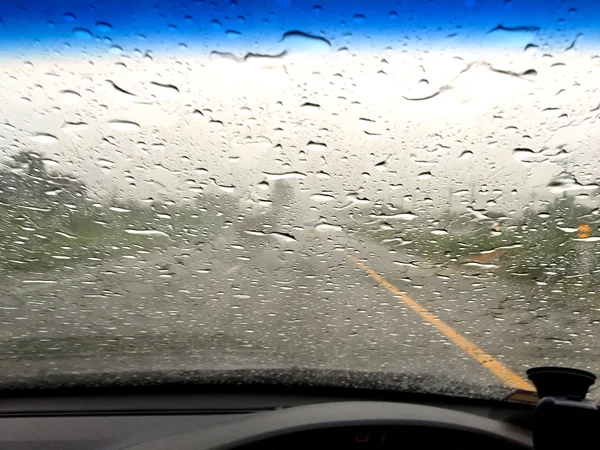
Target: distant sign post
x=585, y=253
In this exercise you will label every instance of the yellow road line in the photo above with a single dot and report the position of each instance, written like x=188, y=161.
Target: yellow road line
x=508, y=377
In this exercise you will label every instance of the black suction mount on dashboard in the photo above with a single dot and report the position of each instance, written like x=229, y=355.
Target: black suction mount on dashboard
x=564, y=419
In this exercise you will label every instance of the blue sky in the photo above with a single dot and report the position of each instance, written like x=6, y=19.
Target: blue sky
x=243, y=25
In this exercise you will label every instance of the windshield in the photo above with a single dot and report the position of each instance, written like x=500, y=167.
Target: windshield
x=328, y=191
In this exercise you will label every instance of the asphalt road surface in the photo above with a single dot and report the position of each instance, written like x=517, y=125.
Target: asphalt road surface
x=315, y=300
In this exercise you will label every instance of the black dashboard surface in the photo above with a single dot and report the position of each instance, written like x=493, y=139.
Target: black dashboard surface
x=380, y=438
x=247, y=421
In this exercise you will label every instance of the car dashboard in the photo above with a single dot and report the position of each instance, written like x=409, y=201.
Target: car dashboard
x=249, y=420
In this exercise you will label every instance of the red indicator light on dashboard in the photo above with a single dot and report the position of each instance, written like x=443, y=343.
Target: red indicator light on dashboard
x=361, y=438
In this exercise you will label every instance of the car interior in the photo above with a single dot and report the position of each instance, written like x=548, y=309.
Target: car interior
x=282, y=224
x=284, y=417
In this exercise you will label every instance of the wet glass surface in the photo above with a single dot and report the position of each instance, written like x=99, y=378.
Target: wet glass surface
x=398, y=188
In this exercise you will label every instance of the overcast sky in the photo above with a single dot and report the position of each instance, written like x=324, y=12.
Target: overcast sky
x=389, y=103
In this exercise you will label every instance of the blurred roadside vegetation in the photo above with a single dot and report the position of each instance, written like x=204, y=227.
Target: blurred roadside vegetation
x=47, y=220
x=541, y=246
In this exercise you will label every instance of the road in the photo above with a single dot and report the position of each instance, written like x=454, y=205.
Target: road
x=318, y=300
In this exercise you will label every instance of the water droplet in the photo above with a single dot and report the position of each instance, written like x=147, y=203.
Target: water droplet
x=480, y=265
x=254, y=233
x=588, y=239
x=326, y=228
x=124, y=125
x=298, y=41
x=53, y=192
x=407, y=216
x=82, y=33
x=517, y=36
x=39, y=282
x=382, y=165
x=105, y=163
x=166, y=91
x=50, y=162
x=465, y=155
x=74, y=127
x=149, y=233
x=282, y=237
x=103, y=27
x=568, y=229
x=230, y=189
x=62, y=257
x=284, y=176
x=424, y=176
x=322, y=198
x=115, y=50
x=120, y=92
x=530, y=75
x=233, y=34
x=70, y=96
x=119, y=209
x=44, y=138
x=354, y=198
x=318, y=146
x=69, y=17
x=523, y=154
x=310, y=106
